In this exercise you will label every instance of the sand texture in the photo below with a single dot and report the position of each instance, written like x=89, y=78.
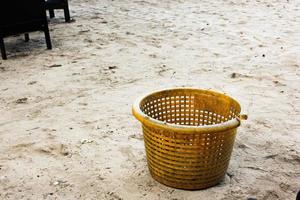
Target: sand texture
x=66, y=126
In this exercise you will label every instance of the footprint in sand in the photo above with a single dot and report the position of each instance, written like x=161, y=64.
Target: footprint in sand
x=53, y=149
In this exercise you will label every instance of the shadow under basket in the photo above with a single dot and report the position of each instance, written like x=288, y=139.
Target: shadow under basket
x=189, y=135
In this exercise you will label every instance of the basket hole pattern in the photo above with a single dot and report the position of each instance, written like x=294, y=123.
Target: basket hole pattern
x=188, y=160
x=181, y=110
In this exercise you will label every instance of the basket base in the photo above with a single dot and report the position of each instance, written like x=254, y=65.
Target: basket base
x=182, y=186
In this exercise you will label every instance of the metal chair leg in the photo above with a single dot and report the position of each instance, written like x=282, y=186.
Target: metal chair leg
x=67, y=14
x=2, y=47
x=51, y=13
x=26, y=37
x=47, y=37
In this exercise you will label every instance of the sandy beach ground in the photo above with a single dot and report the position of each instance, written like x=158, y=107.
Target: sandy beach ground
x=65, y=115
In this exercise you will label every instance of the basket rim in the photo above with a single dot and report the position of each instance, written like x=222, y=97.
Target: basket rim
x=147, y=120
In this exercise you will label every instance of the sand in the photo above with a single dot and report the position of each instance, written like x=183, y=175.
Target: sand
x=66, y=126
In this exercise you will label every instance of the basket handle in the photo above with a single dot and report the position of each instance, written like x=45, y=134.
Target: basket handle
x=242, y=117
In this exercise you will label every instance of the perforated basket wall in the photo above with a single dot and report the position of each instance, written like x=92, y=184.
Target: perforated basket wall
x=189, y=135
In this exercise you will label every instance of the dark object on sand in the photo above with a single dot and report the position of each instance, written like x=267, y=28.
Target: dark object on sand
x=18, y=17
x=298, y=196
x=52, y=5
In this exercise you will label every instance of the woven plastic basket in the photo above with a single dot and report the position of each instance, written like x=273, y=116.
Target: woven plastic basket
x=189, y=135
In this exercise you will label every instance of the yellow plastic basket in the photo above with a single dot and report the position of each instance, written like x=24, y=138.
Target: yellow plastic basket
x=189, y=135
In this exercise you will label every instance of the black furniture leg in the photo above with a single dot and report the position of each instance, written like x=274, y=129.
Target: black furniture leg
x=47, y=37
x=67, y=13
x=26, y=37
x=3, y=52
x=51, y=13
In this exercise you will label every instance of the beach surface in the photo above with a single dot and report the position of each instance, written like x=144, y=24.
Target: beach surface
x=66, y=126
